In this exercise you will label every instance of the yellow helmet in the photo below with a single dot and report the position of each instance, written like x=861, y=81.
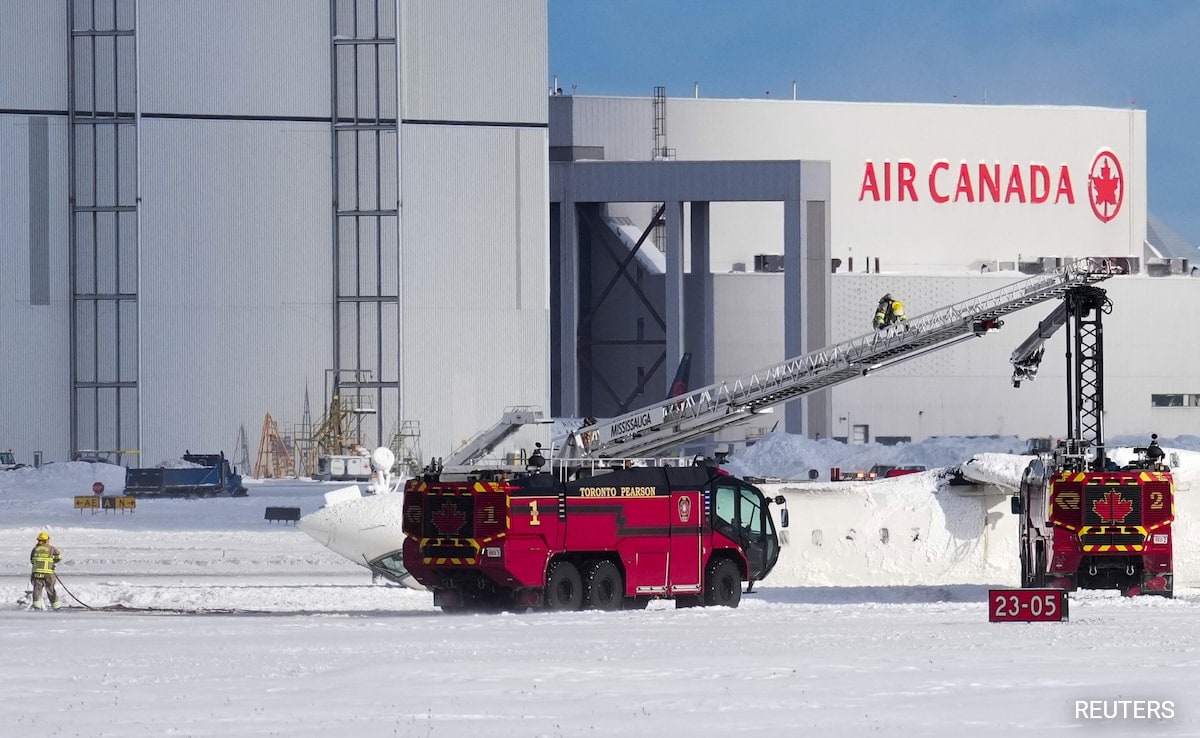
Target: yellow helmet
x=43, y=536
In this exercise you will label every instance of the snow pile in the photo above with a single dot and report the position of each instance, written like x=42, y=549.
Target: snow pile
x=908, y=530
x=786, y=456
x=76, y=476
x=1002, y=470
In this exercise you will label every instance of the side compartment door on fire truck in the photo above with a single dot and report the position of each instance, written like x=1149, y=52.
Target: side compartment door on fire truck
x=687, y=558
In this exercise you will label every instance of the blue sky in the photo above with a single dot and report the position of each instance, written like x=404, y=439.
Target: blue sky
x=1053, y=52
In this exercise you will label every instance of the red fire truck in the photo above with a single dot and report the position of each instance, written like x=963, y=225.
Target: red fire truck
x=1097, y=530
x=1084, y=522
x=603, y=535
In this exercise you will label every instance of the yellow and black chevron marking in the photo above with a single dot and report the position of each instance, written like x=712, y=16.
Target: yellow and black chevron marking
x=1133, y=539
x=466, y=550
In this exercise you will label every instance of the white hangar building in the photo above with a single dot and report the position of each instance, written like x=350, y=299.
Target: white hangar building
x=210, y=207
x=932, y=203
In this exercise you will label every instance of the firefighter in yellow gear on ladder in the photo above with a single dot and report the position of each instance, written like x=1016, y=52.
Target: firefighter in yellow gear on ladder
x=889, y=312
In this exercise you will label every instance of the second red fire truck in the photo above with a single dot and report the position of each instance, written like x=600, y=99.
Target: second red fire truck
x=1088, y=529
x=1083, y=521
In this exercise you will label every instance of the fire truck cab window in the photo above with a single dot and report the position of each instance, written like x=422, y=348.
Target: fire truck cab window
x=725, y=504
x=750, y=517
x=736, y=510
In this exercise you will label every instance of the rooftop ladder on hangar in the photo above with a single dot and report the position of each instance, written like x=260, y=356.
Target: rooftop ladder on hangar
x=672, y=423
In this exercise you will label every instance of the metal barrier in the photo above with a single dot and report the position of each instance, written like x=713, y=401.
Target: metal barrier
x=285, y=514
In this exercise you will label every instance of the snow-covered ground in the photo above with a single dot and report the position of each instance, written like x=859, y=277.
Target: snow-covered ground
x=852, y=634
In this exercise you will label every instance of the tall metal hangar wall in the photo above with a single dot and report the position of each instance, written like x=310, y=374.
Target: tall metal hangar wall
x=936, y=204
x=212, y=209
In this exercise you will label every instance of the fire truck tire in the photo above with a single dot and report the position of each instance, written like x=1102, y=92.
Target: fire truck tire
x=564, y=586
x=603, y=586
x=723, y=585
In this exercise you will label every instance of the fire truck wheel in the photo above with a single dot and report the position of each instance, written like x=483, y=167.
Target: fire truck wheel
x=603, y=586
x=564, y=587
x=723, y=585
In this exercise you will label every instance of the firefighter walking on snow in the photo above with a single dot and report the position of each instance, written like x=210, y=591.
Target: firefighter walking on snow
x=43, y=558
x=888, y=312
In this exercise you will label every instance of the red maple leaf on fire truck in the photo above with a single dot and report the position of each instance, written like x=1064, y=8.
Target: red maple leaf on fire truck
x=448, y=519
x=1112, y=508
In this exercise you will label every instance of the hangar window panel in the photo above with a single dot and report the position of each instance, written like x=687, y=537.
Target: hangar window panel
x=364, y=322
x=1167, y=400
x=85, y=341
x=103, y=15
x=389, y=360
x=84, y=175
x=84, y=263
x=366, y=160
x=108, y=238
x=106, y=418
x=85, y=417
x=126, y=253
x=127, y=339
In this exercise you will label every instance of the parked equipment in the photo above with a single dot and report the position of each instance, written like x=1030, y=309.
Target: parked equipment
x=354, y=467
x=211, y=476
x=8, y=461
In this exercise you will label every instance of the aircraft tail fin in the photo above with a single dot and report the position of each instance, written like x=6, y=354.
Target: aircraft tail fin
x=679, y=385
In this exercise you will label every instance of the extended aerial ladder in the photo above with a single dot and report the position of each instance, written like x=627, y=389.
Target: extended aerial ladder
x=669, y=424
x=1083, y=308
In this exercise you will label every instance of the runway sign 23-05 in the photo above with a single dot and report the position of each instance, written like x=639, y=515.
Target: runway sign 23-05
x=1027, y=605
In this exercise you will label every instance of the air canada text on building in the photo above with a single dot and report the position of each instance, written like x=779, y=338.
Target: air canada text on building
x=889, y=181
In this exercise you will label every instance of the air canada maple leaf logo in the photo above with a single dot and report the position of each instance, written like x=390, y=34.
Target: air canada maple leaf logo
x=1112, y=508
x=1106, y=186
x=448, y=519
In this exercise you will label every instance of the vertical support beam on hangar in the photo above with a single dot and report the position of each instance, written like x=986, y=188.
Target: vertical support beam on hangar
x=674, y=305
x=807, y=273
x=365, y=131
x=103, y=231
x=700, y=331
x=803, y=188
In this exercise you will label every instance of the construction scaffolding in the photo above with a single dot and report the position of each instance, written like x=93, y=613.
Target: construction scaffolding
x=275, y=460
x=406, y=446
x=339, y=431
